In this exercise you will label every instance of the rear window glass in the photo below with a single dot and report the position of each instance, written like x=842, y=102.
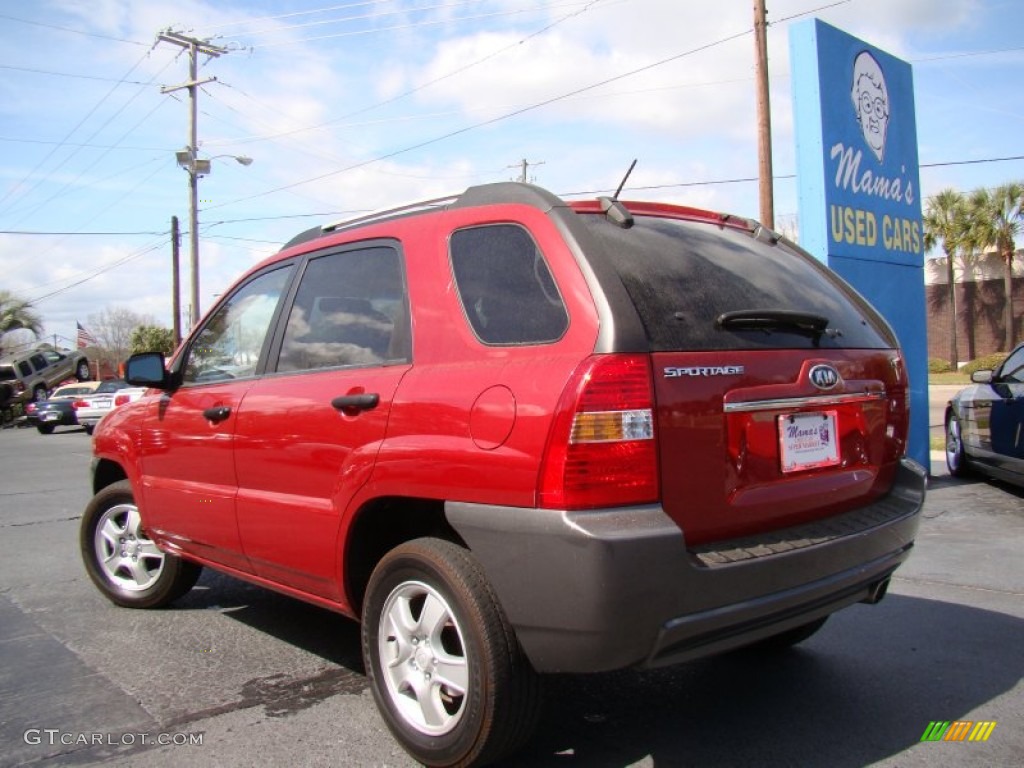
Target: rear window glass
x=505, y=286
x=683, y=275
x=7, y=374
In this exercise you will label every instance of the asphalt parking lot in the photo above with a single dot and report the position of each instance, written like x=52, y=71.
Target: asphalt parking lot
x=262, y=679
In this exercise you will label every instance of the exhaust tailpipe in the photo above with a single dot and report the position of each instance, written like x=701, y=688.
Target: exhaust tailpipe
x=876, y=592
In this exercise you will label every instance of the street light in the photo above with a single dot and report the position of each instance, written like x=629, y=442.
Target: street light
x=195, y=167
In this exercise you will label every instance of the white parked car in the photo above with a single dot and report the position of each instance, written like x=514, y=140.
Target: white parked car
x=108, y=396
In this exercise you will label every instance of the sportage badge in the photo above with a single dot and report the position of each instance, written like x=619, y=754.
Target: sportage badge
x=824, y=376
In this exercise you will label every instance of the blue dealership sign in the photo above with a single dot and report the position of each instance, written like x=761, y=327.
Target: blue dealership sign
x=857, y=133
x=859, y=189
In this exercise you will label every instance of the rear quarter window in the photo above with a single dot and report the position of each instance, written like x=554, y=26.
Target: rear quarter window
x=682, y=275
x=506, y=289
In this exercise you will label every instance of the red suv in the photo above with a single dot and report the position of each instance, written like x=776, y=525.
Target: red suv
x=516, y=435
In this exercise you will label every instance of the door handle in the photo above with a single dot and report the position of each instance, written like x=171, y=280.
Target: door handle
x=217, y=413
x=365, y=401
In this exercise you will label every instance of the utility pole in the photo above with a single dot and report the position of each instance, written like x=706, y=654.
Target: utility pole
x=175, y=281
x=764, y=115
x=525, y=166
x=188, y=159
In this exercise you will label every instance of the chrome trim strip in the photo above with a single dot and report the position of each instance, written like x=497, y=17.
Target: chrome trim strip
x=802, y=402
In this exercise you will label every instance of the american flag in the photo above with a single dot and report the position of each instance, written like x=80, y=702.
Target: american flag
x=85, y=339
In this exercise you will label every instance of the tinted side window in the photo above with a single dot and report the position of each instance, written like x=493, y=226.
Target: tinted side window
x=350, y=309
x=1013, y=369
x=229, y=345
x=682, y=275
x=24, y=368
x=38, y=362
x=505, y=286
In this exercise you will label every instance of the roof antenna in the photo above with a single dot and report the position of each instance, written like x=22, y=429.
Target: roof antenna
x=624, y=179
x=615, y=211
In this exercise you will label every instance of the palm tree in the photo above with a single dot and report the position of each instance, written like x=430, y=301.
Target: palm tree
x=999, y=219
x=17, y=313
x=946, y=222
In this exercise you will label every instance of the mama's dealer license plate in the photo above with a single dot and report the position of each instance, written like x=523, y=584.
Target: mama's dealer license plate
x=808, y=440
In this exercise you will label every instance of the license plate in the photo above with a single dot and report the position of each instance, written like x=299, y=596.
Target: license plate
x=104, y=403
x=808, y=440
x=51, y=417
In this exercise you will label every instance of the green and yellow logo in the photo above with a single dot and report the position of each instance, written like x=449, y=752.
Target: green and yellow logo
x=958, y=730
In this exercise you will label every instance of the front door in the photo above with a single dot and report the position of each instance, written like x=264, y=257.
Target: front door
x=1007, y=415
x=189, y=482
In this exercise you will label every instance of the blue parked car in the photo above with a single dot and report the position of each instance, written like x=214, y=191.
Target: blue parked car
x=985, y=423
x=58, y=409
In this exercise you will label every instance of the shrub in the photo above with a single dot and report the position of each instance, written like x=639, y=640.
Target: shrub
x=938, y=365
x=985, y=363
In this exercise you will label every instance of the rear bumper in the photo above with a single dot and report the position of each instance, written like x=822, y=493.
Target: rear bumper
x=601, y=590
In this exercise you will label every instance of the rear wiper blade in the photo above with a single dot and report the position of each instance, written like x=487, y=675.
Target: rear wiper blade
x=775, y=320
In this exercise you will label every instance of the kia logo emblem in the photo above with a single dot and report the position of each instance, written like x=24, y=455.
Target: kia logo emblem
x=824, y=376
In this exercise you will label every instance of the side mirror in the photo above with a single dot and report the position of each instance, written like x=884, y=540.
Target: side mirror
x=147, y=370
x=982, y=377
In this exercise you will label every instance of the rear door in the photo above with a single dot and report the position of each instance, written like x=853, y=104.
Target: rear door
x=780, y=394
x=308, y=433
x=188, y=464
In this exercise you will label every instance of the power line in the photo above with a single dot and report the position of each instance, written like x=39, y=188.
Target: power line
x=78, y=125
x=27, y=232
x=411, y=25
x=345, y=6
x=75, y=31
x=357, y=211
x=71, y=74
x=420, y=87
x=84, y=145
x=972, y=162
x=492, y=121
x=92, y=276
x=343, y=19
x=102, y=155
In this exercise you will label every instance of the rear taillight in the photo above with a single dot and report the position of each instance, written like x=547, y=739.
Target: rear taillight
x=80, y=404
x=898, y=421
x=121, y=400
x=30, y=408
x=601, y=451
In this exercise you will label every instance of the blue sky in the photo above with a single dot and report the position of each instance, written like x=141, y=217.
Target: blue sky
x=360, y=104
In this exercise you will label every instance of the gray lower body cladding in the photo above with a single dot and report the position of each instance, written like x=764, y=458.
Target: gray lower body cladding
x=599, y=590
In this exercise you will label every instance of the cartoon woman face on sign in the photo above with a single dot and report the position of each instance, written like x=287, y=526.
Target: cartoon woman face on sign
x=871, y=101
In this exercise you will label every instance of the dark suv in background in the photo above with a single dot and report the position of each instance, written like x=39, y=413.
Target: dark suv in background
x=31, y=375
x=514, y=435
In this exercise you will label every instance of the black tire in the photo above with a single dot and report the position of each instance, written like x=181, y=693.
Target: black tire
x=458, y=633
x=140, y=575
x=82, y=372
x=956, y=458
x=89, y=428
x=789, y=638
x=45, y=429
x=39, y=393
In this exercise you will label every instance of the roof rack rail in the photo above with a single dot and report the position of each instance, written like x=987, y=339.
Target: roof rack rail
x=384, y=213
